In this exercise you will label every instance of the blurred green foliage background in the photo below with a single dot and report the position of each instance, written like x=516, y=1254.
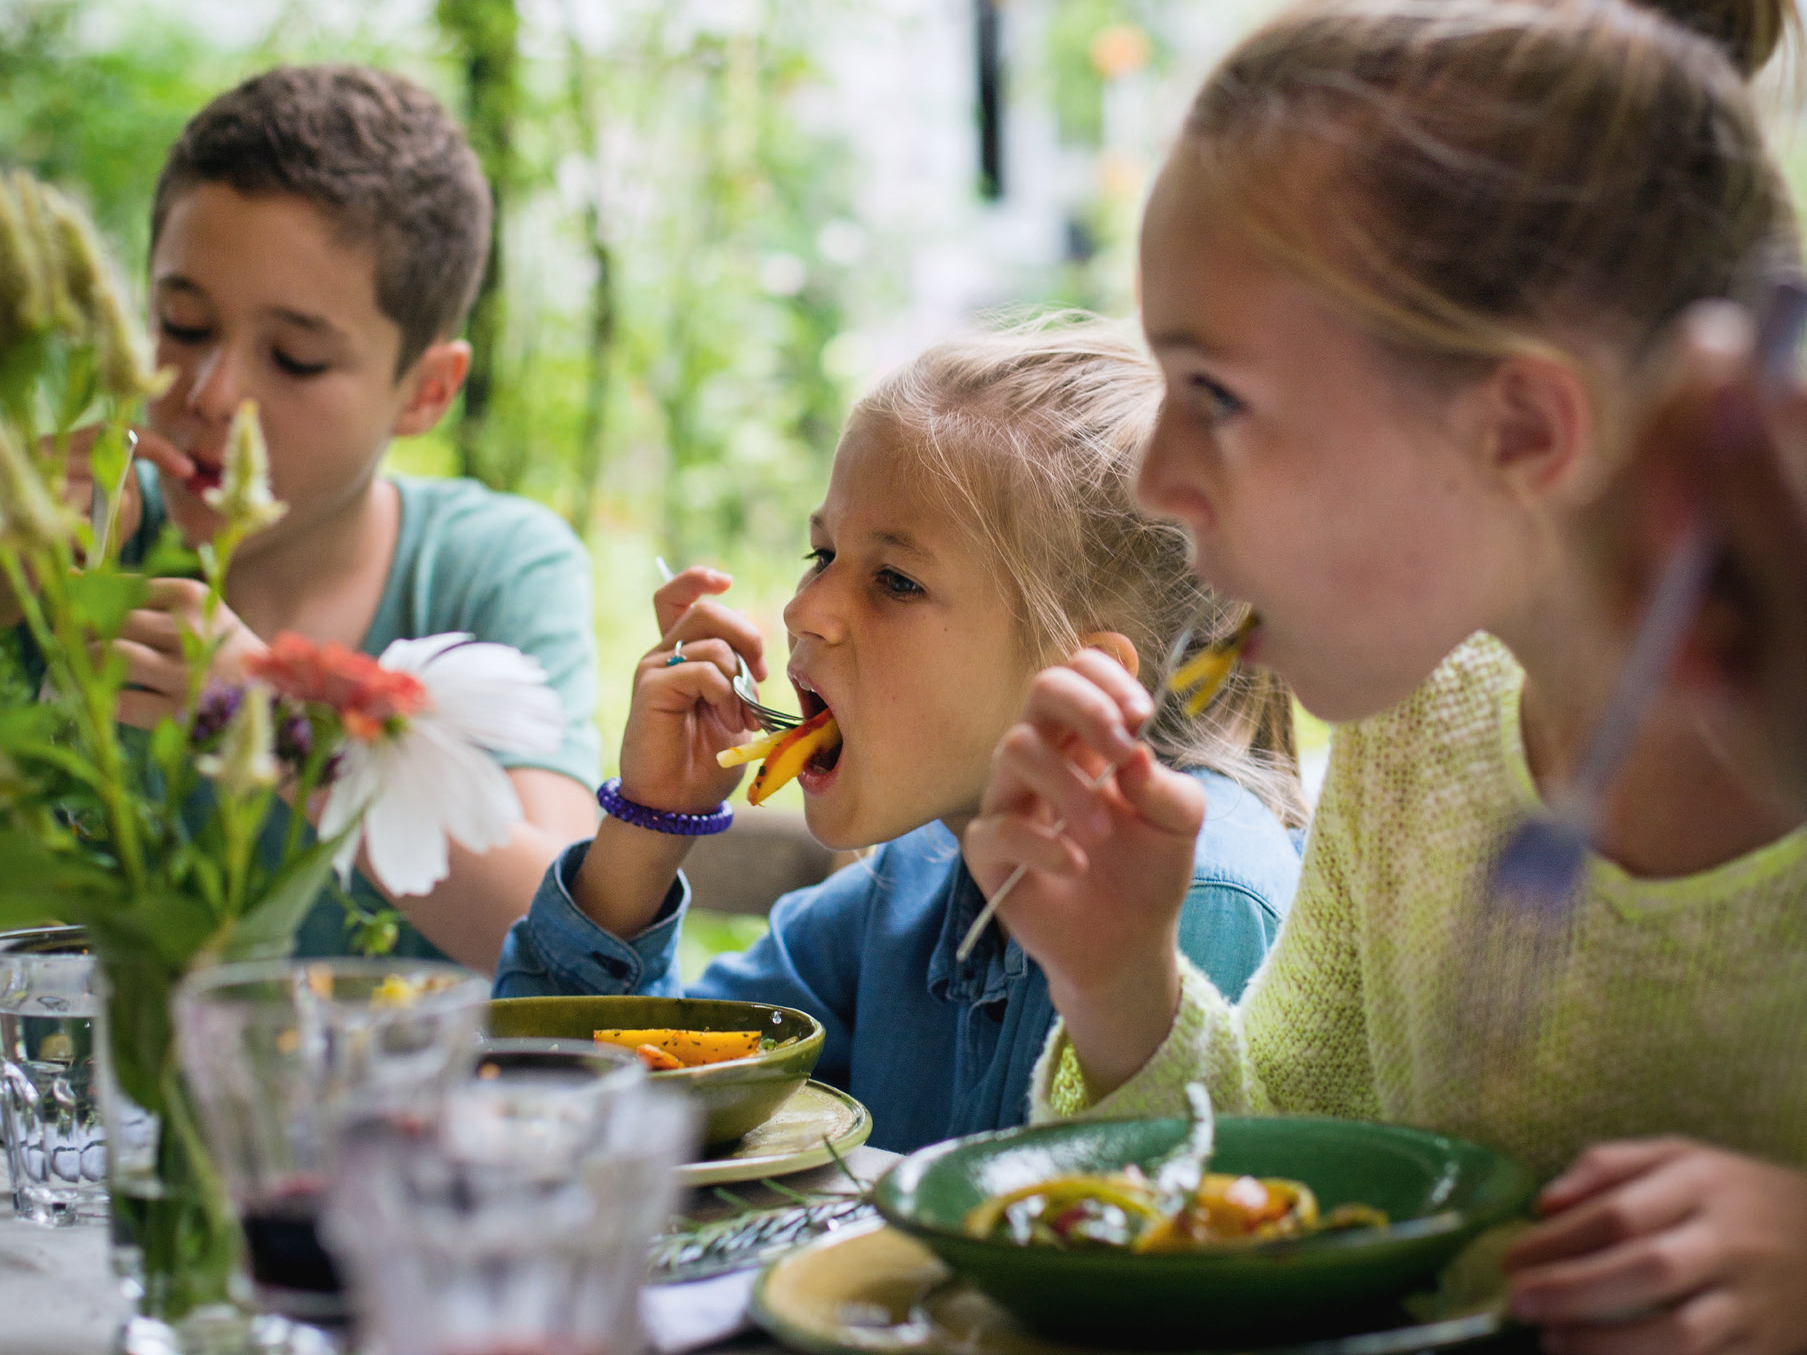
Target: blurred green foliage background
x=666, y=342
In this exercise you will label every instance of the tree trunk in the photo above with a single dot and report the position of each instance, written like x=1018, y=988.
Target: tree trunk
x=483, y=35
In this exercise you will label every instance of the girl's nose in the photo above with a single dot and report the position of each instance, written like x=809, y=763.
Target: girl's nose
x=216, y=391
x=1161, y=478
x=816, y=609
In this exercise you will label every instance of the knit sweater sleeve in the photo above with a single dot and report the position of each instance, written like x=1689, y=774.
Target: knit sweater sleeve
x=1298, y=1040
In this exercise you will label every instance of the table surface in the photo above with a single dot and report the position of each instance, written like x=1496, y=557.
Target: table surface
x=58, y=1295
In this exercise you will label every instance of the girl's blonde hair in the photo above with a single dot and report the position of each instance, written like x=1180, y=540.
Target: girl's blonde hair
x=1032, y=433
x=1474, y=178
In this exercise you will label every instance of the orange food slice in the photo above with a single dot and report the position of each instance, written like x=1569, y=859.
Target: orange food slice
x=792, y=754
x=656, y=1059
x=688, y=1047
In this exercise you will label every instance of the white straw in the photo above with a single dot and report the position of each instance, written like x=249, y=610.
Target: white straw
x=664, y=569
x=973, y=932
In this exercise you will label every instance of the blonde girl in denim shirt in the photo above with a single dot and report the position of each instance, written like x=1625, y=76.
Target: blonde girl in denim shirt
x=978, y=524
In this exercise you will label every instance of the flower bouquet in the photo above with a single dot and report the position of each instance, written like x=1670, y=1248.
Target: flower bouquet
x=176, y=849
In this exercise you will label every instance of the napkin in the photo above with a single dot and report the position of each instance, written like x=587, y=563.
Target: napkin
x=681, y=1317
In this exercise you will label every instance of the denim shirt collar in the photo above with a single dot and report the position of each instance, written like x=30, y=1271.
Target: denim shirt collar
x=994, y=966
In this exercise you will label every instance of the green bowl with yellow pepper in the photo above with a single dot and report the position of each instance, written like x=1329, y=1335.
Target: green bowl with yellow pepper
x=1437, y=1192
x=733, y=1097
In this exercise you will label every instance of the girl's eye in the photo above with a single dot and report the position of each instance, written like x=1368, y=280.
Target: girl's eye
x=291, y=367
x=188, y=335
x=819, y=559
x=1218, y=402
x=898, y=585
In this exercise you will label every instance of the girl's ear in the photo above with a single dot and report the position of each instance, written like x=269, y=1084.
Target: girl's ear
x=438, y=375
x=1539, y=425
x=1114, y=644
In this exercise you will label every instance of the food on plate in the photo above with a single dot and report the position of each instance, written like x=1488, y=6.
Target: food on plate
x=792, y=752
x=1123, y=1210
x=683, y=1048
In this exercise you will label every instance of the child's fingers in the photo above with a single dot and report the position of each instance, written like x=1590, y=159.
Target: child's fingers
x=151, y=668
x=671, y=600
x=1027, y=769
x=1605, y=1165
x=1002, y=842
x=685, y=686
x=1067, y=707
x=163, y=454
x=1115, y=681
x=176, y=595
x=1657, y=1199
x=159, y=630
x=1170, y=801
x=1606, y=1285
x=708, y=619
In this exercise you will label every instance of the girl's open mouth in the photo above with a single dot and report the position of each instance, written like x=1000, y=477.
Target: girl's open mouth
x=819, y=771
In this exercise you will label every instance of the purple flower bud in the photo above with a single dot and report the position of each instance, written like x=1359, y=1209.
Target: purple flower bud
x=294, y=739
x=214, y=711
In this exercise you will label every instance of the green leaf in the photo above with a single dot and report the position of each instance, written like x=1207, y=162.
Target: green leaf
x=169, y=744
x=101, y=598
x=267, y=930
x=168, y=558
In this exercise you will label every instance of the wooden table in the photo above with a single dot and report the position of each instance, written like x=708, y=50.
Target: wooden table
x=58, y=1295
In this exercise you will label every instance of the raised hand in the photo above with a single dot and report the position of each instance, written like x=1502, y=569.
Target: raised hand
x=151, y=643
x=1099, y=905
x=684, y=713
x=1667, y=1247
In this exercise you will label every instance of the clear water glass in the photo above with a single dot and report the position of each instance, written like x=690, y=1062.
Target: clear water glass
x=278, y=1055
x=56, y=1147
x=517, y=1221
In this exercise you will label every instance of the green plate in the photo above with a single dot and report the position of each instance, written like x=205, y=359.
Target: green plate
x=736, y=1096
x=1438, y=1191
x=871, y=1290
x=806, y=1131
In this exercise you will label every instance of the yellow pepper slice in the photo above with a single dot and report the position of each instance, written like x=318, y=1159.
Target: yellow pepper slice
x=793, y=753
x=750, y=752
x=1204, y=673
x=688, y=1047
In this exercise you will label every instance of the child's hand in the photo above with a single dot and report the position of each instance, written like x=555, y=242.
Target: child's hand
x=1099, y=906
x=684, y=714
x=151, y=644
x=1666, y=1245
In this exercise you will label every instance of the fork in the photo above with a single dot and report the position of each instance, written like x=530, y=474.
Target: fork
x=771, y=719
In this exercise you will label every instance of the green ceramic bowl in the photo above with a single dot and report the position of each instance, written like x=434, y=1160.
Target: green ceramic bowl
x=735, y=1096
x=1437, y=1191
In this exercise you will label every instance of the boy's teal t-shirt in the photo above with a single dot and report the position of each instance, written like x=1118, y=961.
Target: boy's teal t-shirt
x=466, y=559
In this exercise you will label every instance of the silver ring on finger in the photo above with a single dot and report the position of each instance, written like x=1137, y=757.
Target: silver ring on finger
x=677, y=655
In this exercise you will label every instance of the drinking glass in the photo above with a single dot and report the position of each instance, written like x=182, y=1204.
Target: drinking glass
x=517, y=1221
x=56, y=1149
x=279, y=1055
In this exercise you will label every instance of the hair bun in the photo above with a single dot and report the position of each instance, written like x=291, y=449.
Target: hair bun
x=1749, y=31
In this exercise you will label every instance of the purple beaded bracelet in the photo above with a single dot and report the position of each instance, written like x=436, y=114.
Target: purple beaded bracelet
x=618, y=806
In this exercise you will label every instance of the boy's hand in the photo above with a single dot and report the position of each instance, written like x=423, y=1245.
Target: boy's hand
x=1099, y=906
x=683, y=714
x=1667, y=1247
x=151, y=644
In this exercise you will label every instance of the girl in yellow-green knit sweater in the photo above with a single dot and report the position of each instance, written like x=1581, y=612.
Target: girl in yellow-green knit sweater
x=1407, y=273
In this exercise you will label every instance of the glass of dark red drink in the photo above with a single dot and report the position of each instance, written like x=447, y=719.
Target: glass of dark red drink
x=516, y=1222
x=280, y=1057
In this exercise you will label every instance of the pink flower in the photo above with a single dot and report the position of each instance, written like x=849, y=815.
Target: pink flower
x=370, y=700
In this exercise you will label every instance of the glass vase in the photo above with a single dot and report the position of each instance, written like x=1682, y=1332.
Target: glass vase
x=174, y=1241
